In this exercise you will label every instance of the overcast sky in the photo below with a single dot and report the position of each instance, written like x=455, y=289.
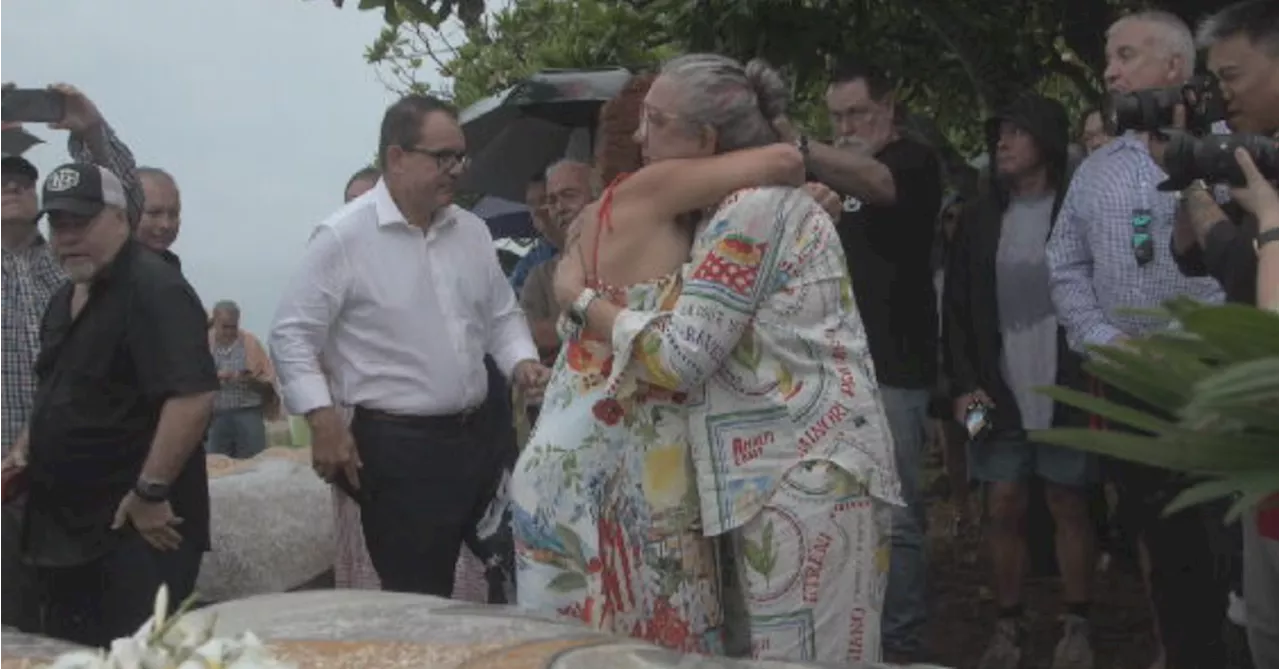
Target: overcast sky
x=260, y=108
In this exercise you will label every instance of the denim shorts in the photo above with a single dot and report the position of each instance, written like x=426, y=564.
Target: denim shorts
x=1003, y=458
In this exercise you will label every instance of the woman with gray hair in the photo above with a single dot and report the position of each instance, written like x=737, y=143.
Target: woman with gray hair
x=792, y=458
x=604, y=502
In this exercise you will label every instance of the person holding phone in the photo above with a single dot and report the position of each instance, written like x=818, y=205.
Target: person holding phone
x=247, y=397
x=31, y=276
x=1005, y=341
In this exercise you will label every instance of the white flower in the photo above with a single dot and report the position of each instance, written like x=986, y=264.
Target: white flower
x=80, y=659
x=185, y=642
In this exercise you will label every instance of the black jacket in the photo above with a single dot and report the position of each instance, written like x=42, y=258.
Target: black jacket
x=970, y=308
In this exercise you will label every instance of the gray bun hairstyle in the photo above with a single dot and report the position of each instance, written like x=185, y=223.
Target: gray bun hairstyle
x=739, y=103
x=771, y=91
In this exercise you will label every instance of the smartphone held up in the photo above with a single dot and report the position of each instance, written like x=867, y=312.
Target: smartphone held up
x=32, y=105
x=976, y=418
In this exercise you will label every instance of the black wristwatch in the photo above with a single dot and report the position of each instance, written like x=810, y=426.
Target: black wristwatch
x=1265, y=237
x=150, y=491
x=802, y=145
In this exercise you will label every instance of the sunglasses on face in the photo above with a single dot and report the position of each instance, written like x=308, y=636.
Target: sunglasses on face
x=1144, y=248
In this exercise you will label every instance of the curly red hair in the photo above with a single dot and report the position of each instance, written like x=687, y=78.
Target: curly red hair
x=616, y=148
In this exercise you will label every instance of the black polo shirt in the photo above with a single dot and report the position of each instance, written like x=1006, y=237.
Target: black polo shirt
x=140, y=339
x=888, y=249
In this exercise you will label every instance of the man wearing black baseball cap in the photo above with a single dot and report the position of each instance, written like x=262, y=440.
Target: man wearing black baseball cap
x=117, y=500
x=31, y=275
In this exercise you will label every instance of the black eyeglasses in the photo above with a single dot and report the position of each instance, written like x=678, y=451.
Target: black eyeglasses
x=446, y=159
x=1144, y=247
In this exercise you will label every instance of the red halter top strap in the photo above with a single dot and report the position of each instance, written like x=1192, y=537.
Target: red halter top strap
x=604, y=221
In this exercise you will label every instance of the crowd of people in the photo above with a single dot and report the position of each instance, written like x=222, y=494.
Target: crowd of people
x=733, y=341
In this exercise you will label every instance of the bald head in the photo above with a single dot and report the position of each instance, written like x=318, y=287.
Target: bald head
x=571, y=185
x=225, y=321
x=161, y=209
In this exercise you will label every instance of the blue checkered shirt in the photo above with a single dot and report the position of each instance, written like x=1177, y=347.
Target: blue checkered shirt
x=31, y=276
x=1093, y=268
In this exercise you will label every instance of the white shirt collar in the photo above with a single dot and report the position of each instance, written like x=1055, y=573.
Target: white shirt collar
x=389, y=212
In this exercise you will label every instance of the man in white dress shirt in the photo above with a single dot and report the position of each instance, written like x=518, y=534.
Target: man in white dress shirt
x=401, y=293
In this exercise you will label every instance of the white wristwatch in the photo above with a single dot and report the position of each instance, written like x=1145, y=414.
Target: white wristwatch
x=578, y=310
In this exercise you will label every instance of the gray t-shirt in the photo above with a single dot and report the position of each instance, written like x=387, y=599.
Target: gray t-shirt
x=1028, y=322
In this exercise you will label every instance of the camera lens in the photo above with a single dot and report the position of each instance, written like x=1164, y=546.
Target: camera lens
x=1212, y=158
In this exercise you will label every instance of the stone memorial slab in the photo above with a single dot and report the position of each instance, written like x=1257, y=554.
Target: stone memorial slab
x=19, y=650
x=271, y=525
x=350, y=629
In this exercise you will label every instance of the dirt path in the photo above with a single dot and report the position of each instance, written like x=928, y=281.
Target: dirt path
x=962, y=612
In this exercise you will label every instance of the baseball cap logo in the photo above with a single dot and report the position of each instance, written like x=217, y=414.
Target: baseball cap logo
x=62, y=180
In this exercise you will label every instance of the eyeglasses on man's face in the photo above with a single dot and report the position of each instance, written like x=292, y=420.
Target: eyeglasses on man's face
x=446, y=159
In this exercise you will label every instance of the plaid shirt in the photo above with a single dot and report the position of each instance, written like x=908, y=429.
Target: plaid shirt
x=31, y=276
x=1094, y=271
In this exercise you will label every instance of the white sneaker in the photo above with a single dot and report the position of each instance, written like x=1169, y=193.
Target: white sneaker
x=1005, y=649
x=1074, y=650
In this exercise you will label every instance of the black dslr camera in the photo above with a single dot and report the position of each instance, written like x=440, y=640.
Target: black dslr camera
x=1211, y=158
x=1151, y=110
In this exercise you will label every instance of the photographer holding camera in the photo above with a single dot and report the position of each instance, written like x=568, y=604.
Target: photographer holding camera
x=1223, y=241
x=1261, y=527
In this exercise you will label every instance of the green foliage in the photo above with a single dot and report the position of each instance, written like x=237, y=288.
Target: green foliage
x=1212, y=389
x=955, y=60
x=525, y=38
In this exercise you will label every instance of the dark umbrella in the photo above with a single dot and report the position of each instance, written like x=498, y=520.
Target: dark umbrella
x=505, y=218
x=14, y=140
x=514, y=134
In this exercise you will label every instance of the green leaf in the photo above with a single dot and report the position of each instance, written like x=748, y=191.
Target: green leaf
x=1136, y=374
x=747, y=353
x=1243, y=331
x=1108, y=410
x=1205, y=491
x=567, y=581
x=1251, y=381
x=1184, y=455
x=572, y=545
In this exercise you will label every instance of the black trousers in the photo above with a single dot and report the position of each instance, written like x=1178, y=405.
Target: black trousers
x=1190, y=554
x=426, y=483
x=19, y=596
x=109, y=598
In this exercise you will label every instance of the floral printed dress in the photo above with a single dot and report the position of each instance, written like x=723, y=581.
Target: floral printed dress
x=604, y=501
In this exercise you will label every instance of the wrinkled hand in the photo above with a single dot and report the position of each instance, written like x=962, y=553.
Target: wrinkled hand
x=1157, y=142
x=153, y=520
x=1258, y=195
x=826, y=198
x=571, y=277
x=532, y=377
x=962, y=403
x=81, y=115
x=333, y=450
